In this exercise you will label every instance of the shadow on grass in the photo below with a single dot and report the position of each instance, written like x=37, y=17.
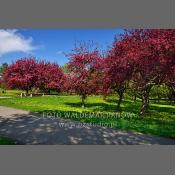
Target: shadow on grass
x=95, y=107
x=126, y=106
x=167, y=109
x=154, y=112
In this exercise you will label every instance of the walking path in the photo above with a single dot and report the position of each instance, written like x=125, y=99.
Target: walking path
x=28, y=128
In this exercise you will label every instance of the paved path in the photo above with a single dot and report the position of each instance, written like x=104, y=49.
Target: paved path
x=27, y=128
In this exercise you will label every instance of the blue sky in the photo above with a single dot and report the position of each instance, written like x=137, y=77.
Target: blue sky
x=49, y=44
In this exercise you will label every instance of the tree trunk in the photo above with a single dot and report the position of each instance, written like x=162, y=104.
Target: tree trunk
x=145, y=104
x=135, y=97
x=171, y=94
x=83, y=101
x=120, y=92
x=27, y=92
x=145, y=100
x=119, y=101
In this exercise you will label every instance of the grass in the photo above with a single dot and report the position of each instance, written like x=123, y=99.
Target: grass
x=6, y=141
x=159, y=121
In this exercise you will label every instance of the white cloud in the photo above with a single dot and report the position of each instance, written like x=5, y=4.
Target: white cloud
x=13, y=41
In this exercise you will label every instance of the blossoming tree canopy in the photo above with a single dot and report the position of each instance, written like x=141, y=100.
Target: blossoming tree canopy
x=49, y=76
x=28, y=73
x=22, y=74
x=153, y=54
x=83, y=66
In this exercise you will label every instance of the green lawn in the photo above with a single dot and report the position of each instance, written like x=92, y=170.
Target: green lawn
x=159, y=121
x=6, y=141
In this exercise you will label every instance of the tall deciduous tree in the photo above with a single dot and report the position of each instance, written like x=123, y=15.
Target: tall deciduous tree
x=82, y=66
x=153, y=53
x=49, y=77
x=22, y=74
x=118, y=68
